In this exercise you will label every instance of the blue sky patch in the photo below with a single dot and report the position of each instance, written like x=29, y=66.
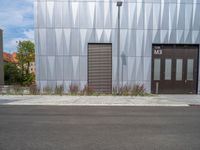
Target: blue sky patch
x=16, y=20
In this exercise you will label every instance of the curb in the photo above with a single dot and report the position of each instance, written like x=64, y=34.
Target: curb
x=104, y=105
x=194, y=105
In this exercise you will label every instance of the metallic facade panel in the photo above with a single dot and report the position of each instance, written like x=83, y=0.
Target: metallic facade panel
x=65, y=27
x=59, y=68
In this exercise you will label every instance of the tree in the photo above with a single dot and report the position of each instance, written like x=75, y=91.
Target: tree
x=11, y=73
x=25, y=55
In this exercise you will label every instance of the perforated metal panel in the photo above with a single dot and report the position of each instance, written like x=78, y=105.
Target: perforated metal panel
x=63, y=29
x=100, y=67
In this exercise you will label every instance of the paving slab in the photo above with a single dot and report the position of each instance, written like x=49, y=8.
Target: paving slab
x=156, y=100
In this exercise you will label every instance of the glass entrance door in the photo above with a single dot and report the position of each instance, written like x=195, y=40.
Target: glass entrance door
x=174, y=69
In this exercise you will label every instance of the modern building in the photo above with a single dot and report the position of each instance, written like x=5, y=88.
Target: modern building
x=1, y=59
x=76, y=42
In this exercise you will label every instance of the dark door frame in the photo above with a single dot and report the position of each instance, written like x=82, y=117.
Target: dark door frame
x=174, y=45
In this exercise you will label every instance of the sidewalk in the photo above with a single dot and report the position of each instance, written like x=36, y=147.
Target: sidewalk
x=158, y=100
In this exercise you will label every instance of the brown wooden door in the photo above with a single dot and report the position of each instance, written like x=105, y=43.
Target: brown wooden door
x=100, y=67
x=175, y=69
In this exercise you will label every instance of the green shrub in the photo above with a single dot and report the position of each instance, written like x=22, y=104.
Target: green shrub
x=8, y=90
x=114, y=90
x=126, y=90
x=123, y=90
x=138, y=90
x=88, y=90
x=73, y=89
x=18, y=90
x=59, y=90
x=34, y=90
x=11, y=74
x=48, y=90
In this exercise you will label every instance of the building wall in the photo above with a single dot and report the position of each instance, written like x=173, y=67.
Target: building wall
x=63, y=28
x=32, y=67
x=1, y=59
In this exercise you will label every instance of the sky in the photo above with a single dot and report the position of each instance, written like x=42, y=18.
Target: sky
x=16, y=20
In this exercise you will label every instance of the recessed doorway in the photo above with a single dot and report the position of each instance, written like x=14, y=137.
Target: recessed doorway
x=100, y=67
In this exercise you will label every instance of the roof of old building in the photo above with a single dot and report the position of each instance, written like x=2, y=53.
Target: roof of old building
x=7, y=57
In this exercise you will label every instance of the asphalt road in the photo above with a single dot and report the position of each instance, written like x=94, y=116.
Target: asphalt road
x=99, y=128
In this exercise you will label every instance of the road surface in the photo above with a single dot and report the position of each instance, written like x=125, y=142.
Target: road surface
x=99, y=128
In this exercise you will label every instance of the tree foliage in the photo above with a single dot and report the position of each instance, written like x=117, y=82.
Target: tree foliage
x=11, y=73
x=19, y=73
x=25, y=55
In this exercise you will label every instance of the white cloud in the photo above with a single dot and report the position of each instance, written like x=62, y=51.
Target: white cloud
x=16, y=16
x=13, y=43
x=16, y=19
x=28, y=35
